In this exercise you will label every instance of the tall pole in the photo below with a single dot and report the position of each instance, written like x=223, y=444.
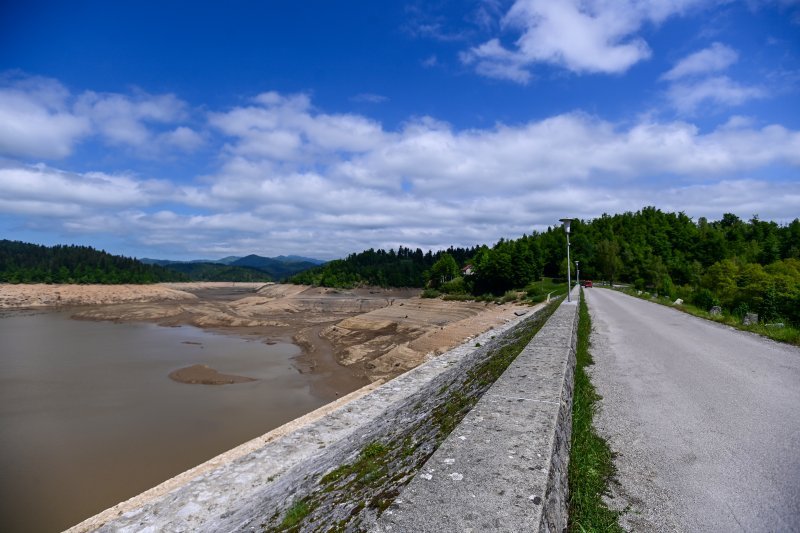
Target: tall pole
x=566, y=222
x=569, y=273
x=578, y=273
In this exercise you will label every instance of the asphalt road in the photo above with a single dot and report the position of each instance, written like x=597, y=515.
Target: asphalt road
x=705, y=419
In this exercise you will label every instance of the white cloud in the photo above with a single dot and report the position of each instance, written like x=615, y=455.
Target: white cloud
x=35, y=120
x=341, y=182
x=124, y=120
x=369, y=98
x=687, y=97
x=55, y=191
x=183, y=138
x=695, y=82
x=715, y=58
x=430, y=61
x=286, y=128
x=40, y=118
x=584, y=36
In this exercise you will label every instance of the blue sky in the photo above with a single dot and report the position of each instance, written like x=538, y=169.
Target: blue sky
x=201, y=129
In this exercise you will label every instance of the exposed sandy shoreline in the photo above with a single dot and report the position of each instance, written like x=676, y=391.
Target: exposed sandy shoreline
x=375, y=334
x=41, y=295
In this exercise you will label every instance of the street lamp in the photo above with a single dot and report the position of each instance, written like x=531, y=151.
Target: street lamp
x=577, y=274
x=566, y=222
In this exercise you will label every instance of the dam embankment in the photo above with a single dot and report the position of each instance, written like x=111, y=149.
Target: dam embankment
x=433, y=440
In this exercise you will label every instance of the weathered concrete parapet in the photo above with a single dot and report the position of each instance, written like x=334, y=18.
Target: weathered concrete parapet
x=504, y=468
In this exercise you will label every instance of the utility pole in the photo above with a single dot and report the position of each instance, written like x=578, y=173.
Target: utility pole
x=566, y=222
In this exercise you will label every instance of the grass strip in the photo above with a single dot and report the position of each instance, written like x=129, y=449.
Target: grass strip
x=590, y=461
x=786, y=333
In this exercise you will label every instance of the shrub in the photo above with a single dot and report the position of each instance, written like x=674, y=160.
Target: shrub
x=430, y=293
x=703, y=299
x=741, y=310
x=509, y=296
x=454, y=286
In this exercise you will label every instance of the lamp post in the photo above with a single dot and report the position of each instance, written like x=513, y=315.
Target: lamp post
x=566, y=222
x=577, y=274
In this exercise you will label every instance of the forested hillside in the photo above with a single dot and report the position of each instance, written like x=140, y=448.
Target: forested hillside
x=30, y=263
x=403, y=268
x=740, y=265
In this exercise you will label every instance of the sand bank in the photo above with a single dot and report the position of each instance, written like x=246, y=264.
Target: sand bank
x=42, y=295
x=205, y=375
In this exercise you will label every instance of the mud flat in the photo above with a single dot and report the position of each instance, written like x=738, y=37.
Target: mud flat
x=205, y=375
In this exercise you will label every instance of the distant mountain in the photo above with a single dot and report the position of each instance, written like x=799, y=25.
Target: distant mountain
x=299, y=259
x=234, y=268
x=163, y=262
x=199, y=271
x=278, y=268
x=225, y=260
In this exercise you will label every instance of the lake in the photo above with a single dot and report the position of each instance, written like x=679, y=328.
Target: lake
x=89, y=416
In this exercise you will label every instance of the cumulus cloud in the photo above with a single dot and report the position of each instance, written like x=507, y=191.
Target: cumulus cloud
x=40, y=118
x=716, y=91
x=695, y=81
x=125, y=120
x=54, y=190
x=715, y=58
x=583, y=36
x=294, y=179
x=35, y=118
x=183, y=138
x=286, y=128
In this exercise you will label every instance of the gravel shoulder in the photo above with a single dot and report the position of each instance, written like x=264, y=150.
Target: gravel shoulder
x=704, y=419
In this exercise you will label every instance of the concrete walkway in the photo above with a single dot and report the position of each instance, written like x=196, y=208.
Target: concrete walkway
x=504, y=468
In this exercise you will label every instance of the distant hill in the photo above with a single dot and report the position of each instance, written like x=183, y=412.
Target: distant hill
x=22, y=262
x=299, y=259
x=277, y=268
x=197, y=271
x=233, y=268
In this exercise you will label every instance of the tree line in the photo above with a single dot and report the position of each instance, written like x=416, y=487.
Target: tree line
x=22, y=262
x=740, y=265
x=402, y=268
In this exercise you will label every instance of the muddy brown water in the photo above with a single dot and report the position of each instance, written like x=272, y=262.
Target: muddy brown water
x=89, y=416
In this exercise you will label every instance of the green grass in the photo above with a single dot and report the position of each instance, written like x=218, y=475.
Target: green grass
x=788, y=333
x=296, y=513
x=369, y=466
x=590, y=462
x=537, y=291
x=373, y=478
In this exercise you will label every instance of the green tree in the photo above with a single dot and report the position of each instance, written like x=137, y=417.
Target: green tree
x=608, y=259
x=443, y=270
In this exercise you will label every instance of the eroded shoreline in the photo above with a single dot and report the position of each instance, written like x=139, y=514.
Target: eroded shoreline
x=348, y=338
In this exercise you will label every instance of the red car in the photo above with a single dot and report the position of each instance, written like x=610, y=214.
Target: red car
x=586, y=283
